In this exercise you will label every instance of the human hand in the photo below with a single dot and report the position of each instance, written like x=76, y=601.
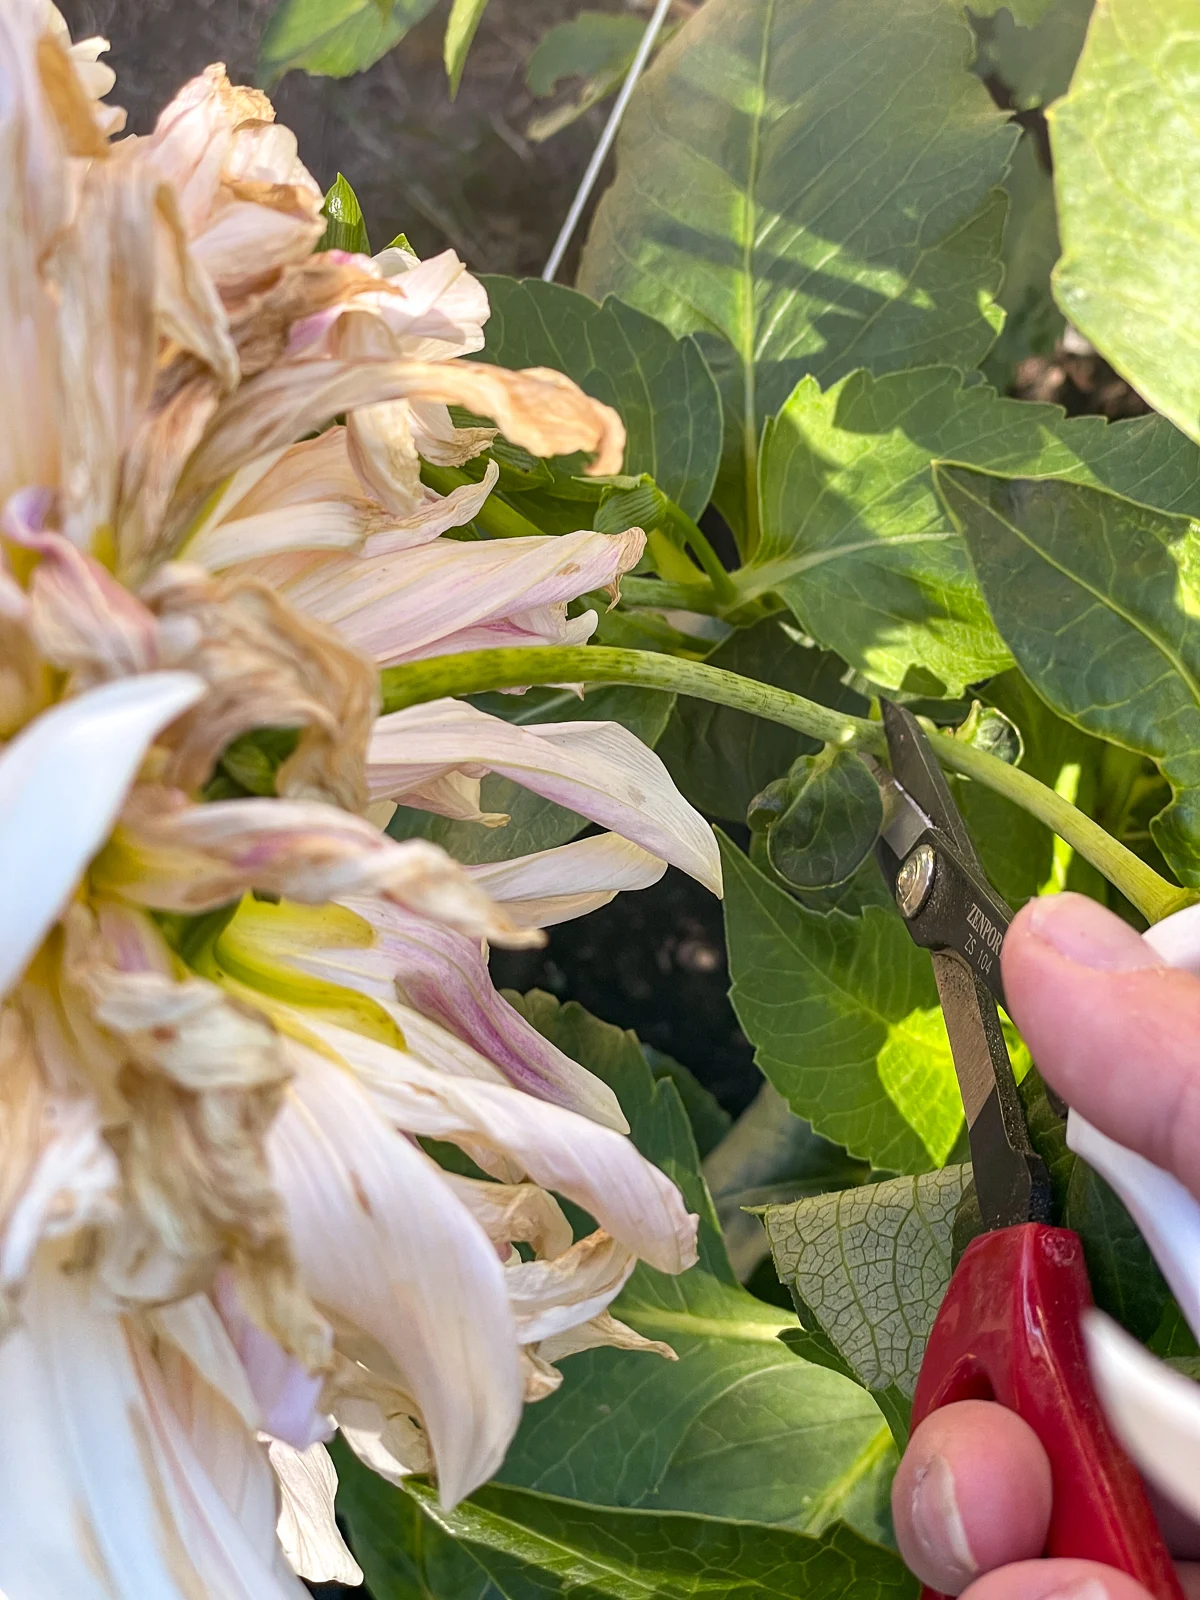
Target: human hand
x=1113, y=1030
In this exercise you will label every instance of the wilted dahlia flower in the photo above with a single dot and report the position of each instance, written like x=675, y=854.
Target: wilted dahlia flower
x=230, y=1006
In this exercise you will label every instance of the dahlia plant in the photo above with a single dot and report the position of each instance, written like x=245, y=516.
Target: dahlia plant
x=231, y=1012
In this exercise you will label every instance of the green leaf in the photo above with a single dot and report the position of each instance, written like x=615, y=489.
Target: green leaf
x=721, y=759
x=872, y=1265
x=1098, y=599
x=1126, y=145
x=857, y=543
x=465, y=17
x=659, y=383
x=534, y=823
x=709, y=1120
x=826, y=821
x=738, y=1426
x=532, y=1545
x=809, y=187
x=1034, y=57
x=844, y=1017
x=591, y=43
x=334, y=38
x=345, y=227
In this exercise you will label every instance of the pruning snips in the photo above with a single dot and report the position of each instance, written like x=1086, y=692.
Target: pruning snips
x=1009, y=1328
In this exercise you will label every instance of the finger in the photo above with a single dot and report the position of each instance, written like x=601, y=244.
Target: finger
x=972, y=1492
x=1110, y=1026
x=1056, y=1580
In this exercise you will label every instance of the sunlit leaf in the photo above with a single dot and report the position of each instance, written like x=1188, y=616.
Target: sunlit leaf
x=334, y=38
x=1127, y=176
x=465, y=17
x=844, y=1017
x=809, y=187
x=345, y=226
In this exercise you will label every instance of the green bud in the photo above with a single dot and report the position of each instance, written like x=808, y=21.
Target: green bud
x=829, y=823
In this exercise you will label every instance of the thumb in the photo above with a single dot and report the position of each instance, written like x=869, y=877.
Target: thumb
x=1112, y=1028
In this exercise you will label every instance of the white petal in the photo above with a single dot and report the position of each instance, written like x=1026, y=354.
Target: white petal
x=549, y=1297
x=598, y=769
x=307, y=1529
x=102, y=1496
x=1167, y=1215
x=1165, y=1212
x=1154, y=1410
x=197, y=1332
x=384, y=1244
x=555, y=885
x=560, y=1150
x=286, y=1394
x=598, y=1332
x=51, y=824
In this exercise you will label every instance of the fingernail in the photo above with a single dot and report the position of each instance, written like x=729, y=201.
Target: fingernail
x=1087, y=1589
x=1088, y=934
x=937, y=1523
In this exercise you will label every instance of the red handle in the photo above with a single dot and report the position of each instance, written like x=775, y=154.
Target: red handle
x=1009, y=1330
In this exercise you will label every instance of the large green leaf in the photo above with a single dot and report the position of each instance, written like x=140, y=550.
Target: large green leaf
x=1126, y=147
x=857, y=543
x=810, y=187
x=872, y=1265
x=721, y=758
x=659, y=383
x=334, y=38
x=534, y=823
x=844, y=1017
x=738, y=1426
x=596, y=47
x=1099, y=601
x=534, y=1547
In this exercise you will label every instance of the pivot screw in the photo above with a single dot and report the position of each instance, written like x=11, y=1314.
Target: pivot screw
x=915, y=879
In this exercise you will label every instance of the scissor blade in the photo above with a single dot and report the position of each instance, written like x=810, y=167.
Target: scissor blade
x=915, y=769
x=1011, y=1182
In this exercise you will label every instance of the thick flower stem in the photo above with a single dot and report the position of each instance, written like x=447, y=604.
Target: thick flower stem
x=476, y=671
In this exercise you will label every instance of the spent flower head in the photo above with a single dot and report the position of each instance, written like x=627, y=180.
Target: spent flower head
x=231, y=1007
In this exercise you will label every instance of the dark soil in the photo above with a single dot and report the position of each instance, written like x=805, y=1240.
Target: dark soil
x=460, y=174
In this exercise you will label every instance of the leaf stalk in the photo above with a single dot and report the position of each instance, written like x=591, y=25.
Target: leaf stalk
x=477, y=671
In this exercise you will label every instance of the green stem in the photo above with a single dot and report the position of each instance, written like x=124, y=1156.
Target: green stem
x=495, y=516
x=657, y=592
x=1154, y=897
x=476, y=671
x=722, y=583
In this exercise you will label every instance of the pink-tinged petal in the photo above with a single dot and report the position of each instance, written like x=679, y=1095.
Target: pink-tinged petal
x=175, y=856
x=50, y=825
x=444, y=976
x=539, y=409
x=308, y=1529
x=1154, y=1410
x=515, y=1213
x=104, y=1492
x=286, y=1393
x=83, y=620
x=597, y=1168
x=401, y=607
x=598, y=769
x=555, y=885
x=386, y=1246
x=194, y=1327
x=596, y=1333
x=436, y=514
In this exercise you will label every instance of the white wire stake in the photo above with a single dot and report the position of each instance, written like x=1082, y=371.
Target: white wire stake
x=588, y=182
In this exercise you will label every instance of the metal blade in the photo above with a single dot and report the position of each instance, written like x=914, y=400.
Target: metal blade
x=1011, y=1182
